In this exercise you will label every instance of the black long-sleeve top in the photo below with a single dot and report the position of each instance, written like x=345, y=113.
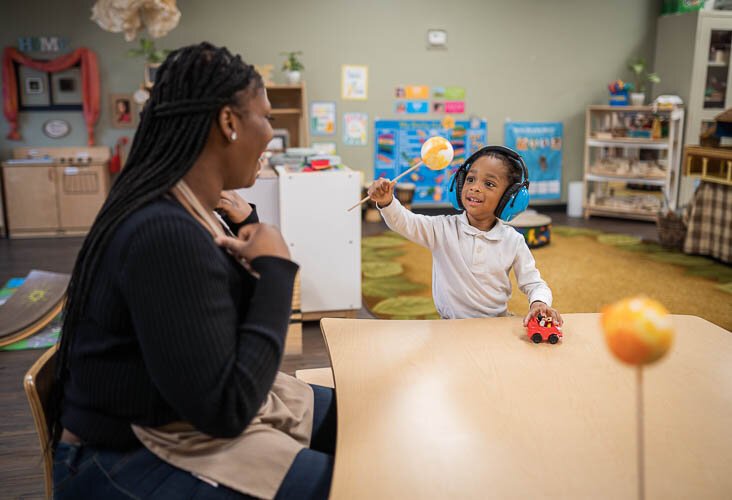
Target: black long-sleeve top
x=174, y=329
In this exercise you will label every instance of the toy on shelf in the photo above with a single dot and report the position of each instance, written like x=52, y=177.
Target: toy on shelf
x=437, y=153
x=638, y=331
x=543, y=329
x=619, y=92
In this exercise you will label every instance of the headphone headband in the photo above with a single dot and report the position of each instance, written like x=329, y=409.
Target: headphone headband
x=509, y=153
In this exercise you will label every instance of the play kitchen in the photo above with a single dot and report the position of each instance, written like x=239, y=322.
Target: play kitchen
x=50, y=192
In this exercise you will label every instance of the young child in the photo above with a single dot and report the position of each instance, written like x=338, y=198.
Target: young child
x=474, y=251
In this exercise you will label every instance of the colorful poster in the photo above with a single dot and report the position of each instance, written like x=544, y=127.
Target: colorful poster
x=419, y=92
x=322, y=118
x=412, y=107
x=455, y=94
x=541, y=146
x=354, y=82
x=455, y=107
x=399, y=142
x=355, y=129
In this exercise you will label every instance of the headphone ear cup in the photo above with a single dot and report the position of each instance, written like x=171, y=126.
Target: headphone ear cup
x=505, y=199
x=515, y=201
x=456, y=188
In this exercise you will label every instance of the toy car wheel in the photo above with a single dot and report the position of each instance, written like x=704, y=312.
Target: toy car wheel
x=536, y=338
x=553, y=339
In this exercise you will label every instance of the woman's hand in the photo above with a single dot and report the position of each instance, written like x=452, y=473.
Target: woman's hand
x=539, y=307
x=233, y=206
x=382, y=192
x=255, y=240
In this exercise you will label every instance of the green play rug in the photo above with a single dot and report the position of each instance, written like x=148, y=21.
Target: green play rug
x=585, y=269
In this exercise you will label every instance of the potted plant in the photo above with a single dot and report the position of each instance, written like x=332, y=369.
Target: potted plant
x=641, y=76
x=292, y=67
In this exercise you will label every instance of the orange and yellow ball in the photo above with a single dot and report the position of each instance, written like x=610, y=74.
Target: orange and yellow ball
x=437, y=153
x=638, y=330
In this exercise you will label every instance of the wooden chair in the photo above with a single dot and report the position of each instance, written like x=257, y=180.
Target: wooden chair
x=37, y=384
x=317, y=376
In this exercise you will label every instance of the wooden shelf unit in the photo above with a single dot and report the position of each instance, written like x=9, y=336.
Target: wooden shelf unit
x=668, y=160
x=289, y=112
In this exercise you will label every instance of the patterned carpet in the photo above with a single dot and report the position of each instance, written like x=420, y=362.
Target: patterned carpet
x=585, y=269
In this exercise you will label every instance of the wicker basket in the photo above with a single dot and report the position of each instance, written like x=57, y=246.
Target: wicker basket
x=671, y=230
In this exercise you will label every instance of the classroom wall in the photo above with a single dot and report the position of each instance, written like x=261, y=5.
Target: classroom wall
x=524, y=60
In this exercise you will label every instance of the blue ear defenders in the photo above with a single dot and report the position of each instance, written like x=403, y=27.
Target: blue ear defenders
x=514, y=200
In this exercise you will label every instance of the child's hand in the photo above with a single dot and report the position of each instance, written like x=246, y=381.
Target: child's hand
x=539, y=307
x=382, y=192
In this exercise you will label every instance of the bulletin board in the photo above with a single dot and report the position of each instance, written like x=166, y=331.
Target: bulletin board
x=399, y=142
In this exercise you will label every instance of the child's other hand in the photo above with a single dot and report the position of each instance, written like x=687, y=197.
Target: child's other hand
x=382, y=192
x=539, y=307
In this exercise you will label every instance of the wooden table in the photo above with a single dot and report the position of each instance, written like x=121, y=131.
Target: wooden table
x=473, y=409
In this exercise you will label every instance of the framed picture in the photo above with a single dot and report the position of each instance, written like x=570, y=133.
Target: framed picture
x=66, y=87
x=123, y=111
x=34, y=85
x=33, y=89
x=151, y=70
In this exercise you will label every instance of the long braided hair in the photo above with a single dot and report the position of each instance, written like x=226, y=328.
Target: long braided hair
x=191, y=87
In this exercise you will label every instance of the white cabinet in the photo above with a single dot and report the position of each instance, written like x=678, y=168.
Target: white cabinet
x=324, y=238
x=693, y=59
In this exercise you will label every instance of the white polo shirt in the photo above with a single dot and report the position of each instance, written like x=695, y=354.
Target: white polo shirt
x=470, y=267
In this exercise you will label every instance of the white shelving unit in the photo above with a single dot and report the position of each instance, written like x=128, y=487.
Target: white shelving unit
x=693, y=52
x=613, y=161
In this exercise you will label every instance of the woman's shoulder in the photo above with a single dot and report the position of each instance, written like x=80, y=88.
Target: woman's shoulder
x=162, y=219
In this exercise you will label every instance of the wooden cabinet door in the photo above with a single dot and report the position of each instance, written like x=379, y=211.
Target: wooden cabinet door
x=81, y=193
x=30, y=198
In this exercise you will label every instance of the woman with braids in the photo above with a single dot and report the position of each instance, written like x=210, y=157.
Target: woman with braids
x=167, y=381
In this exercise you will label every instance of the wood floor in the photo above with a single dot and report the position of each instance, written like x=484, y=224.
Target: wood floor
x=20, y=468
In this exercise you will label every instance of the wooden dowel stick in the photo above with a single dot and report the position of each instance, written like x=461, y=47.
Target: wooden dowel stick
x=415, y=167
x=639, y=413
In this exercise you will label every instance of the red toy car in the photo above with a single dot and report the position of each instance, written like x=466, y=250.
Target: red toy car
x=543, y=328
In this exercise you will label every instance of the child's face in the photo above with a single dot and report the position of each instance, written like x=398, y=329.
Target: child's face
x=485, y=183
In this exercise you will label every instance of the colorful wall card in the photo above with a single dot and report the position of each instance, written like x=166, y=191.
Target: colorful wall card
x=455, y=93
x=417, y=92
x=540, y=144
x=322, y=118
x=354, y=82
x=355, y=129
x=412, y=107
x=455, y=107
x=399, y=142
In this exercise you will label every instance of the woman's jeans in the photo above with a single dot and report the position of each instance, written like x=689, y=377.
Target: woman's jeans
x=81, y=471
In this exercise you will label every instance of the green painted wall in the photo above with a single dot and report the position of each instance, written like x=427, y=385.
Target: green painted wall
x=528, y=60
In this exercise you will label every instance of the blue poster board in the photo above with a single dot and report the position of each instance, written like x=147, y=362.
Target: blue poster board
x=398, y=145
x=541, y=146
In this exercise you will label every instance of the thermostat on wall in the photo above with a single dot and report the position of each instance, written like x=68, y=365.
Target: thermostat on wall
x=437, y=39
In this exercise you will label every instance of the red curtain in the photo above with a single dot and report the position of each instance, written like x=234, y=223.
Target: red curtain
x=89, y=84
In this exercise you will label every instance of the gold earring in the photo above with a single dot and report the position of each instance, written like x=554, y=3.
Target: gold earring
x=233, y=136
